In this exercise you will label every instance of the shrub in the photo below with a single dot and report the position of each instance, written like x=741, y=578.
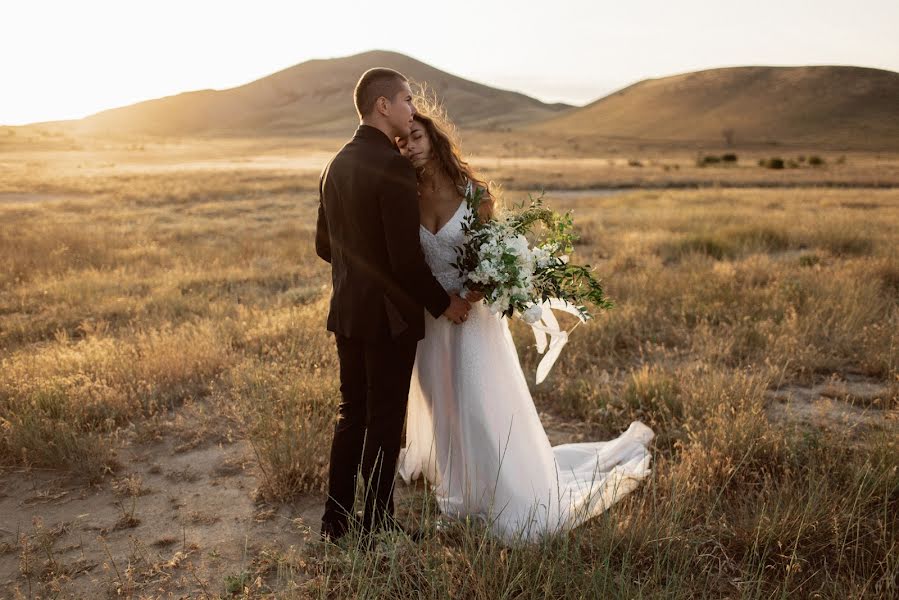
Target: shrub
x=775, y=163
x=707, y=245
x=290, y=417
x=758, y=238
x=654, y=395
x=809, y=260
x=816, y=161
x=844, y=241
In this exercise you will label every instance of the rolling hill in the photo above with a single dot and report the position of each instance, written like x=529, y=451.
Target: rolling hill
x=828, y=106
x=311, y=98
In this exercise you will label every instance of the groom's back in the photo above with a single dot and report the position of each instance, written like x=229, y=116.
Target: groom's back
x=361, y=274
x=350, y=187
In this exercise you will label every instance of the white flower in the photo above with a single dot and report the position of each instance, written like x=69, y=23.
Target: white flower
x=533, y=314
x=478, y=277
x=520, y=243
x=542, y=257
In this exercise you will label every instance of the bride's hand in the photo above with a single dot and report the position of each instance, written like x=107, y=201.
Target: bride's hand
x=474, y=296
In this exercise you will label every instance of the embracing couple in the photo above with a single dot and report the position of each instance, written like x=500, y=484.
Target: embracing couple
x=414, y=352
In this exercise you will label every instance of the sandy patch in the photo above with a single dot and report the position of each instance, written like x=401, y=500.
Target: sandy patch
x=850, y=402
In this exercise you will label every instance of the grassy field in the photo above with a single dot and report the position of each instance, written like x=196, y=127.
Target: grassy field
x=145, y=302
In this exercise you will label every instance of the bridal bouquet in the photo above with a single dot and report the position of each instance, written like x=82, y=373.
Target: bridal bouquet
x=520, y=262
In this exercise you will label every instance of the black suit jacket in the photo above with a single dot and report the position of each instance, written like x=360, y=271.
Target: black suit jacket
x=368, y=229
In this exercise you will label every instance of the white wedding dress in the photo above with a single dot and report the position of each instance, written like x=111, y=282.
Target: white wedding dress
x=473, y=431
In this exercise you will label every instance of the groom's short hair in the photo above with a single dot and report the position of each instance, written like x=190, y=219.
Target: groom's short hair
x=373, y=84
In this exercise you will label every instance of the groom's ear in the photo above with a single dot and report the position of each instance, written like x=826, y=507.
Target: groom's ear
x=382, y=105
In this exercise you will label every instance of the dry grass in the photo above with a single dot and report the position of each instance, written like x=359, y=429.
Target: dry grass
x=740, y=276
x=123, y=297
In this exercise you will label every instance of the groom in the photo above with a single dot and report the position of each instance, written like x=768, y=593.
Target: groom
x=368, y=229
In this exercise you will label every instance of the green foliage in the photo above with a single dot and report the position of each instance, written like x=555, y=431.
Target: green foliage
x=235, y=584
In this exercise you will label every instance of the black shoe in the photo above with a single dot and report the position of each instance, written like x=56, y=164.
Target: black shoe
x=332, y=533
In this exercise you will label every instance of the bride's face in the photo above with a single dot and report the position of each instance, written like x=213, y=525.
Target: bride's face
x=416, y=147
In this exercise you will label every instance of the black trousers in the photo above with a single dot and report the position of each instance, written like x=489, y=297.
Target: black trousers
x=374, y=388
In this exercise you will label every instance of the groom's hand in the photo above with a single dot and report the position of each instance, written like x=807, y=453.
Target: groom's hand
x=458, y=309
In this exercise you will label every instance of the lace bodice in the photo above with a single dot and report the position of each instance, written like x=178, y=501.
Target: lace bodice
x=440, y=249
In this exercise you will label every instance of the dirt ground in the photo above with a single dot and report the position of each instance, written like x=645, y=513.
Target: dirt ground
x=183, y=520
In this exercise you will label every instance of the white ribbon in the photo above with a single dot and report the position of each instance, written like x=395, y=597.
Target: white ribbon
x=547, y=325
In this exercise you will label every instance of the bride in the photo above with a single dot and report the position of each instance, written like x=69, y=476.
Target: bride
x=472, y=429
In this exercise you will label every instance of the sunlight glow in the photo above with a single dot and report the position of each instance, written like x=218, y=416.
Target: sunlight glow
x=65, y=60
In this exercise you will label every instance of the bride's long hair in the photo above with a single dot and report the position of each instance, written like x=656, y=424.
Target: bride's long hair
x=445, y=150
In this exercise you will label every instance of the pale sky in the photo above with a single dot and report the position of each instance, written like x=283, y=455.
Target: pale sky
x=70, y=58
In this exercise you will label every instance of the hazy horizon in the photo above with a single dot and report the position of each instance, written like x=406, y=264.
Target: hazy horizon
x=107, y=54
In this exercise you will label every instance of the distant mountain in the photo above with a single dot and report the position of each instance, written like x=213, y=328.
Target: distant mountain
x=312, y=98
x=832, y=106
